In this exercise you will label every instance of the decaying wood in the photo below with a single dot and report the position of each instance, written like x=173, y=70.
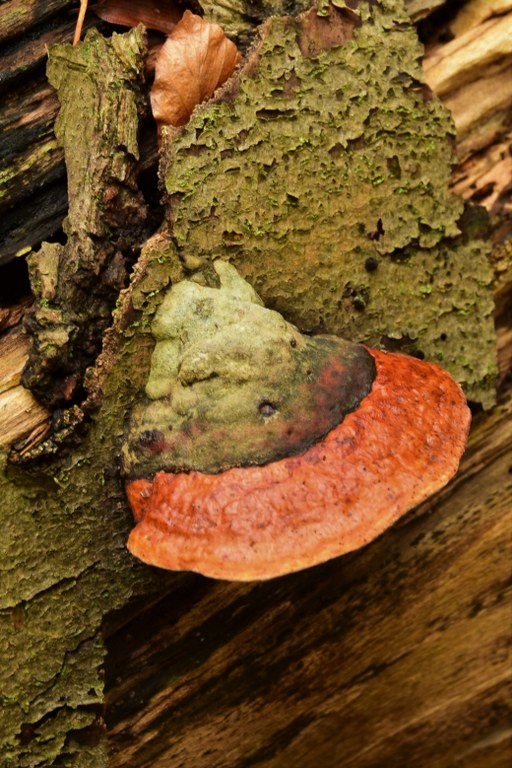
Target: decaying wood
x=21, y=15
x=472, y=74
x=31, y=165
x=395, y=655
x=20, y=413
x=478, y=61
x=106, y=217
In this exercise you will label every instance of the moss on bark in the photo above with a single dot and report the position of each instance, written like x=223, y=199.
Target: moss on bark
x=63, y=561
x=99, y=84
x=64, y=565
x=322, y=173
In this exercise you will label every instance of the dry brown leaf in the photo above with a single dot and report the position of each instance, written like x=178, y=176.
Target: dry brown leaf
x=195, y=60
x=162, y=15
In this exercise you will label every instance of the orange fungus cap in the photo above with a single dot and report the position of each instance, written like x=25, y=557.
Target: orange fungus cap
x=402, y=443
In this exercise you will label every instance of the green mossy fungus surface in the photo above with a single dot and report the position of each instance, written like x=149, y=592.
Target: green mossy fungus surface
x=232, y=383
x=324, y=179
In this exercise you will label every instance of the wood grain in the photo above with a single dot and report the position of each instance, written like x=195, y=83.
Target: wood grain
x=20, y=412
x=395, y=655
x=471, y=73
x=19, y=16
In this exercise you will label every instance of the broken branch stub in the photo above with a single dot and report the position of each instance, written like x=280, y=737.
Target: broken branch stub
x=99, y=83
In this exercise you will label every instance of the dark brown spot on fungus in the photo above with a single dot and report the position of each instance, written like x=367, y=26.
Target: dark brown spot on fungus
x=267, y=409
x=152, y=439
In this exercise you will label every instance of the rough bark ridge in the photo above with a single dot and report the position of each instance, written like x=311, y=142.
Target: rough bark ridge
x=76, y=285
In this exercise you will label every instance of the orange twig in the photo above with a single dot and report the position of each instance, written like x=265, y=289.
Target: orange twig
x=80, y=21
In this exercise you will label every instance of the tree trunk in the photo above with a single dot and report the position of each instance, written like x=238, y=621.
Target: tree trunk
x=392, y=655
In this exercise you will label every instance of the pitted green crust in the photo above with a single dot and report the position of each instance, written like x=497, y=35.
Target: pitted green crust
x=232, y=383
x=310, y=168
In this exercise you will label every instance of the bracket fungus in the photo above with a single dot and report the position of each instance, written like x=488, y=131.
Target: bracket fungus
x=258, y=451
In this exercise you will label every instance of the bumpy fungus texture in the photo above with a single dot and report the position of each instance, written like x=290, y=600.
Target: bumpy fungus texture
x=325, y=154
x=232, y=383
x=396, y=440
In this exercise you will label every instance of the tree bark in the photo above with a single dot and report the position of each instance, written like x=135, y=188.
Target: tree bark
x=395, y=654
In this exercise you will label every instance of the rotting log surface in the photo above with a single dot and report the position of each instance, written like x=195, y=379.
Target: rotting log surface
x=301, y=192
x=33, y=199
x=395, y=655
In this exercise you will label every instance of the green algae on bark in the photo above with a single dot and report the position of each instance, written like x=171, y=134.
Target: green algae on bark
x=63, y=558
x=63, y=561
x=63, y=567
x=99, y=83
x=323, y=176
x=233, y=384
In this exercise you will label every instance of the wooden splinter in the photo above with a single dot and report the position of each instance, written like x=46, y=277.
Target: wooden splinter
x=80, y=21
